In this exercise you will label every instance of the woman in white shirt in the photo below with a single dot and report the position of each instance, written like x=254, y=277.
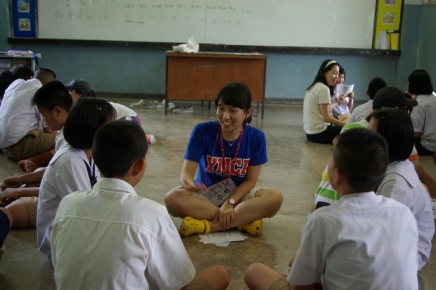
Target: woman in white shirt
x=319, y=125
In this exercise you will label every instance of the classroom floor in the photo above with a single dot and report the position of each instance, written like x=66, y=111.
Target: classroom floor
x=294, y=168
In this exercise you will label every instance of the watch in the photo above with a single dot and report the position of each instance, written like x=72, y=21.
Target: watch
x=232, y=201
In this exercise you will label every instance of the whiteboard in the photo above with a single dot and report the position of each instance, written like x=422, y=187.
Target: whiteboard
x=300, y=23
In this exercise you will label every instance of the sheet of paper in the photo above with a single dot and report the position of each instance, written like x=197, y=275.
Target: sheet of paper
x=222, y=237
x=342, y=89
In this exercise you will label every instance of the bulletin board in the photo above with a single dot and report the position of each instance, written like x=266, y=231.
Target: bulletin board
x=23, y=18
x=389, y=15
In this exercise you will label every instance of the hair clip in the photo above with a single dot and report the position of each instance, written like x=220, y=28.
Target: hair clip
x=98, y=108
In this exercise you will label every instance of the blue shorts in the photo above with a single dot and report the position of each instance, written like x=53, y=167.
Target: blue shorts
x=5, y=227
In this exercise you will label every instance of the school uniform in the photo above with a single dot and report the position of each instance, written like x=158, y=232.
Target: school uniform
x=66, y=173
x=20, y=136
x=362, y=241
x=402, y=184
x=361, y=112
x=424, y=121
x=111, y=238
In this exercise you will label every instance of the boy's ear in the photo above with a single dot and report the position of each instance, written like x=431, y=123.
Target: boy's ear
x=57, y=111
x=339, y=176
x=138, y=167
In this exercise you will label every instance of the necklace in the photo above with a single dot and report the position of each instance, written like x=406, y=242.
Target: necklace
x=231, y=144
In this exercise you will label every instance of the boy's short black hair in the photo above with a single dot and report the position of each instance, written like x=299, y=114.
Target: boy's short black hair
x=45, y=75
x=396, y=127
x=22, y=71
x=53, y=94
x=374, y=86
x=85, y=118
x=342, y=71
x=6, y=78
x=362, y=156
x=237, y=95
x=117, y=146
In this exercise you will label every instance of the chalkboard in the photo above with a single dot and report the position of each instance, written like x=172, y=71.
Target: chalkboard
x=296, y=23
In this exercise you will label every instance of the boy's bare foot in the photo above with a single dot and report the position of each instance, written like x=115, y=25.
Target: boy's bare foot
x=27, y=165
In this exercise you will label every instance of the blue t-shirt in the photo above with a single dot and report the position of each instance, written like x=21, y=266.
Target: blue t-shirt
x=205, y=148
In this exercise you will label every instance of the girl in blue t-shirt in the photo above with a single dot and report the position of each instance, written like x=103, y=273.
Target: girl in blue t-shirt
x=228, y=155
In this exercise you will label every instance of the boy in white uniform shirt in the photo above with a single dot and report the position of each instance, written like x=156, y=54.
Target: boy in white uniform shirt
x=20, y=136
x=111, y=238
x=362, y=241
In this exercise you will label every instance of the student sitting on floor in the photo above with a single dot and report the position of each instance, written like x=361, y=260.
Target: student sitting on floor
x=400, y=181
x=362, y=241
x=20, y=136
x=111, y=238
x=72, y=167
x=363, y=111
x=53, y=102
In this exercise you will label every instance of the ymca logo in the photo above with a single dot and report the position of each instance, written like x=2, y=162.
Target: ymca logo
x=216, y=165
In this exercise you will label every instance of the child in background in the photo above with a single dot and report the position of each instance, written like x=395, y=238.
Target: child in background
x=363, y=111
x=71, y=168
x=20, y=136
x=400, y=181
x=53, y=102
x=342, y=106
x=113, y=228
x=81, y=88
x=419, y=86
x=362, y=241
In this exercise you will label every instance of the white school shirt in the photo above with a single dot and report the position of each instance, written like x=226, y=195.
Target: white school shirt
x=111, y=238
x=361, y=112
x=362, y=241
x=402, y=184
x=17, y=115
x=424, y=120
x=312, y=118
x=123, y=111
x=66, y=173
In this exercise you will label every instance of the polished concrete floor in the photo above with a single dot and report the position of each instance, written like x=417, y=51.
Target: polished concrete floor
x=294, y=168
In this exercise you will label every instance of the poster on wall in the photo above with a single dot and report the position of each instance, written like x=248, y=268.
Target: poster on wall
x=23, y=18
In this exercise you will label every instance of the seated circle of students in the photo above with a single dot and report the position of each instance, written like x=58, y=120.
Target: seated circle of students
x=316, y=105
x=71, y=168
x=362, y=241
x=385, y=98
x=228, y=154
x=363, y=111
x=342, y=106
x=20, y=136
x=419, y=86
x=400, y=181
x=81, y=88
x=97, y=232
x=20, y=193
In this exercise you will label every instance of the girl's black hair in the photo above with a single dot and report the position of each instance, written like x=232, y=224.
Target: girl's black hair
x=236, y=95
x=420, y=83
x=84, y=119
x=396, y=127
x=325, y=67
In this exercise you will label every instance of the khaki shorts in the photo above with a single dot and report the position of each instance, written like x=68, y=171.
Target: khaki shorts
x=35, y=142
x=199, y=283
x=31, y=203
x=280, y=284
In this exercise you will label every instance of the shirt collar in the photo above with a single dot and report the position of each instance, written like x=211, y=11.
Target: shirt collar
x=114, y=184
x=403, y=168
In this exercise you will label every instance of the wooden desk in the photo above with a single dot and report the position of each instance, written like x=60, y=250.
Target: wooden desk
x=200, y=76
